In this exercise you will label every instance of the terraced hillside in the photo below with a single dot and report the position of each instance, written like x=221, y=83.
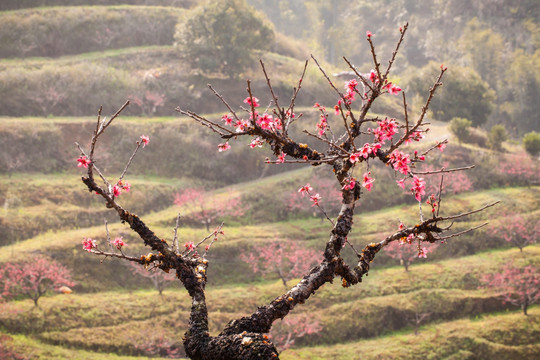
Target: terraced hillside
x=59, y=60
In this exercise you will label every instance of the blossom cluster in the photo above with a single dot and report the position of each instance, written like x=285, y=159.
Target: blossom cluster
x=432, y=201
x=306, y=190
x=386, y=130
x=119, y=243
x=364, y=152
x=418, y=187
x=89, y=244
x=400, y=161
x=121, y=185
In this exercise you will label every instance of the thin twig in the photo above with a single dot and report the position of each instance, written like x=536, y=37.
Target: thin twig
x=325, y=214
x=116, y=255
x=130, y=160
x=462, y=232
x=405, y=113
x=208, y=123
x=281, y=111
x=176, y=248
x=224, y=102
x=360, y=76
x=209, y=236
x=108, y=237
x=293, y=98
x=442, y=170
x=440, y=196
x=377, y=67
x=328, y=79
x=102, y=129
x=394, y=53
x=216, y=232
x=464, y=214
x=424, y=110
x=445, y=141
x=327, y=142
x=94, y=167
x=352, y=247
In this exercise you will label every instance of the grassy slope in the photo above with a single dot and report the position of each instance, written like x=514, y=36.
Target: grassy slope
x=36, y=349
x=380, y=304
x=372, y=226
x=486, y=337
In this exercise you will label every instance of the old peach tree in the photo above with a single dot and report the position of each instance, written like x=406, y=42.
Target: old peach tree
x=349, y=139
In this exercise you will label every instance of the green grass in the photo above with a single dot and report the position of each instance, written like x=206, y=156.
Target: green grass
x=36, y=349
x=381, y=303
x=106, y=56
x=509, y=336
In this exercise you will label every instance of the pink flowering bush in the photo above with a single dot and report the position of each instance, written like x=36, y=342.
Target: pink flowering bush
x=516, y=229
x=203, y=207
x=287, y=332
x=286, y=260
x=160, y=280
x=33, y=278
x=408, y=250
x=516, y=285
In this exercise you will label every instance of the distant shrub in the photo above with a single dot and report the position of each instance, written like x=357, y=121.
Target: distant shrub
x=460, y=127
x=53, y=32
x=531, y=143
x=497, y=135
x=478, y=138
x=221, y=35
x=464, y=94
x=289, y=46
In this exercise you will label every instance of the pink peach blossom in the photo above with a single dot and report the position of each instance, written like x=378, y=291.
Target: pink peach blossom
x=83, y=161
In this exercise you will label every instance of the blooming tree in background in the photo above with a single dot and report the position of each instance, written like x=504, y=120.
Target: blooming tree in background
x=33, y=278
x=160, y=279
x=47, y=98
x=287, y=260
x=517, y=229
x=345, y=143
x=149, y=102
x=521, y=167
x=285, y=333
x=205, y=208
x=454, y=182
x=406, y=251
x=519, y=286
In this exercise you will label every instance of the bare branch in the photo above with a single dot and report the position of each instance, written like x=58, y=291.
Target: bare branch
x=224, y=102
x=290, y=109
x=403, y=30
x=176, y=248
x=464, y=214
x=96, y=251
x=462, y=232
x=130, y=160
x=281, y=112
x=442, y=170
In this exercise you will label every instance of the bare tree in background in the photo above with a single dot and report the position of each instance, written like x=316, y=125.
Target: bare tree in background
x=339, y=149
